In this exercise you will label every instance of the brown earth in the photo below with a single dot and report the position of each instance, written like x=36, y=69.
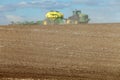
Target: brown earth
x=64, y=52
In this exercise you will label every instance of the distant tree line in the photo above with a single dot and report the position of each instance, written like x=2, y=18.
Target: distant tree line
x=26, y=22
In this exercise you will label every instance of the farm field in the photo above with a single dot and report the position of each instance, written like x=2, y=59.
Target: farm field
x=60, y=52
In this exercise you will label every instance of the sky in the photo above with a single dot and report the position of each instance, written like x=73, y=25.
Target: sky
x=99, y=11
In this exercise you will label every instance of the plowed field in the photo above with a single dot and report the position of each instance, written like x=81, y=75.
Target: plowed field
x=60, y=52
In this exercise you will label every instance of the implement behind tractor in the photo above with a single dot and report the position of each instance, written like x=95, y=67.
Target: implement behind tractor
x=53, y=17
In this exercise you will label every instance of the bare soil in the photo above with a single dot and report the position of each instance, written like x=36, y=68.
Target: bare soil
x=60, y=52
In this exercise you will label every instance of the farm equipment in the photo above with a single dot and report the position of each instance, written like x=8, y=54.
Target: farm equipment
x=77, y=18
x=56, y=17
x=53, y=17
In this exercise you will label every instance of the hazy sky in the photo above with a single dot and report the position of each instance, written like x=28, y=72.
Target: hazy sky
x=99, y=11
